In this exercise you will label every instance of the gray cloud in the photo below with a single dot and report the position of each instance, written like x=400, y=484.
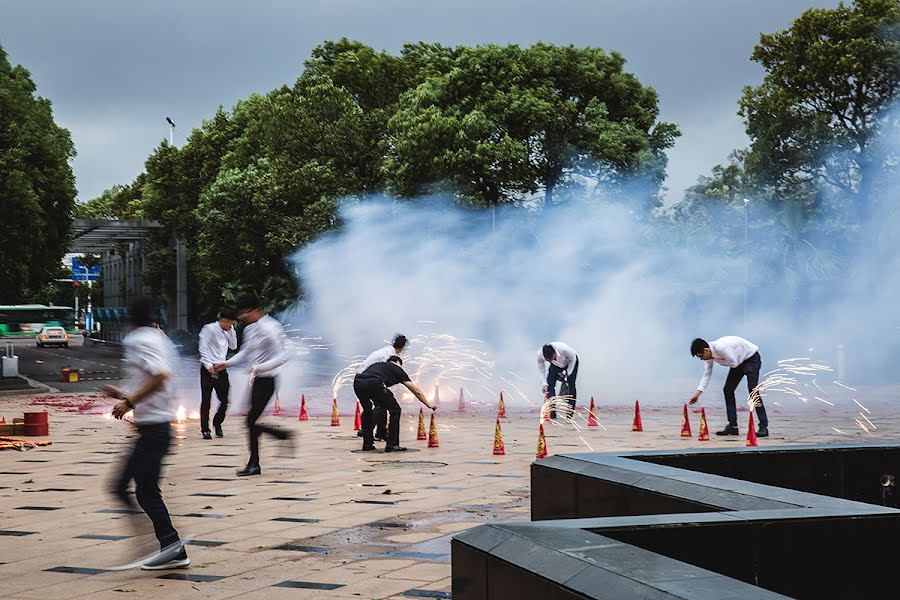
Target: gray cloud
x=114, y=70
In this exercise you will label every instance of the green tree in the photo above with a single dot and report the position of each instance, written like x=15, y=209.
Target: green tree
x=826, y=99
x=37, y=188
x=504, y=122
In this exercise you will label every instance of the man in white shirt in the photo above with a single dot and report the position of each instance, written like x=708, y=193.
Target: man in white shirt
x=742, y=358
x=149, y=364
x=216, y=339
x=563, y=367
x=375, y=416
x=265, y=349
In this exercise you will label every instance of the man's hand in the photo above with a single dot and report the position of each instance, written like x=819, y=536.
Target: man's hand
x=113, y=391
x=546, y=389
x=218, y=367
x=120, y=409
x=562, y=375
x=695, y=397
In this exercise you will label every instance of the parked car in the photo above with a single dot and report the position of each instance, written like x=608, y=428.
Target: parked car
x=52, y=336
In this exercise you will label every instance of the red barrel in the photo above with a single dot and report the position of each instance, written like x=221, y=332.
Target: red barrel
x=37, y=423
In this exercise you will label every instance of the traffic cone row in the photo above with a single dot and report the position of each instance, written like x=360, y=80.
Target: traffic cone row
x=432, y=434
x=637, y=425
x=499, y=450
x=542, y=444
x=357, y=420
x=704, y=428
x=751, y=432
x=685, y=424
x=335, y=417
x=421, y=435
x=303, y=414
x=592, y=417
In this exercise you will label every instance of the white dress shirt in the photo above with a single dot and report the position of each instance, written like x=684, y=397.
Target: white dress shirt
x=565, y=359
x=377, y=356
x=148, y=352
x=264, y=348
x=215, y=343
x=728, y=351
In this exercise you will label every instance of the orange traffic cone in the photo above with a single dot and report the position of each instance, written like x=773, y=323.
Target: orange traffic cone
x=704, y=428
x=277, y=409
x=501, y=408
x=461, y=406
x=421, y=435
x=498, y=440
x=542, y=444
x=432, y=434
x=304, y=416
x=2, y=420
x=357, y=420
x=637, y=425
x=592, y=417
x=335, y=417
x=437, y=396
x=685, y=424
x=751, y=432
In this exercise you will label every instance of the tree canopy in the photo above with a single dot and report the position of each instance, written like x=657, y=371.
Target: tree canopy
x=37, y=188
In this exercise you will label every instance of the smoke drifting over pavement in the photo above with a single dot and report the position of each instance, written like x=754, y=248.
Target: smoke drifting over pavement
x=628, y=296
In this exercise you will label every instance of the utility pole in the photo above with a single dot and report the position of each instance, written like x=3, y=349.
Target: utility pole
x=171, y=131
x=746, y=256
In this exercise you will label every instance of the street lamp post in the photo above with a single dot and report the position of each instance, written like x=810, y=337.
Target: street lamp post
x=746, y=255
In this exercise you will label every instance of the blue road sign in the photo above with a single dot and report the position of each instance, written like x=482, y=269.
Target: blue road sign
x=81, y=272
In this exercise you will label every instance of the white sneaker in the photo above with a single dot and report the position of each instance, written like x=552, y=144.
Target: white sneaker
x=175, y=558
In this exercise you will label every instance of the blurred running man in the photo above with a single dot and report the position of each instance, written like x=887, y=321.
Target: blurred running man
x=372, y=386
x=377, y=417
x=216, y=339
x=149, y=363
x=264, y=348
x=563, y=367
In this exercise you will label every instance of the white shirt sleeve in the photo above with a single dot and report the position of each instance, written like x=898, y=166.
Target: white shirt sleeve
x=231, y=336
x=542, y=367
x=205, y=347
x=276, y=343
x=707, y=375
x=247, y=348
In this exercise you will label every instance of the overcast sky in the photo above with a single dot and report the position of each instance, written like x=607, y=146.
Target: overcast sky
x=115, y=69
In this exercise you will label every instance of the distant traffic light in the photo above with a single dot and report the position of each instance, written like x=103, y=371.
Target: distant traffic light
x=75, y=284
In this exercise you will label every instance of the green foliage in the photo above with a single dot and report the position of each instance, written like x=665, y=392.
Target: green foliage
x=37, y=189
x=254, y=184
x=826, y=99
x=504, y=122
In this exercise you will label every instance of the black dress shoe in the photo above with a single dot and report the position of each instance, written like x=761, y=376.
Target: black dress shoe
x=207, y=435
x=219, y=431
x=762, y=432
x=368, y=448
x=359, y=433
x=394, y=449
x=729, y=430
x=249, y=470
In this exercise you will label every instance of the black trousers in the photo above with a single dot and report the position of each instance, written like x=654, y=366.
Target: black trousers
x=375, y=400
x=144, y=466
x=260, y=393
x=553, y=377
x=208, y=383
x=750, y=368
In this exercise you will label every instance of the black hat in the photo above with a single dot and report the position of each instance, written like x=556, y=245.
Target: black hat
x=247, y=302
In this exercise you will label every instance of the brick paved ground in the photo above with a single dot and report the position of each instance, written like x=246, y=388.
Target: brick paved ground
x=326, y=523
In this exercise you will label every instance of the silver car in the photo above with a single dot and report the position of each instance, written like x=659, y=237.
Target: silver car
x=52, y=336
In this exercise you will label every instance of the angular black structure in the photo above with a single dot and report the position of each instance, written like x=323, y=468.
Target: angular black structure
x=805, y=522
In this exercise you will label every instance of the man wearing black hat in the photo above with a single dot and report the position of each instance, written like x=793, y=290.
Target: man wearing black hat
x=265, y=350
x=372, y=386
